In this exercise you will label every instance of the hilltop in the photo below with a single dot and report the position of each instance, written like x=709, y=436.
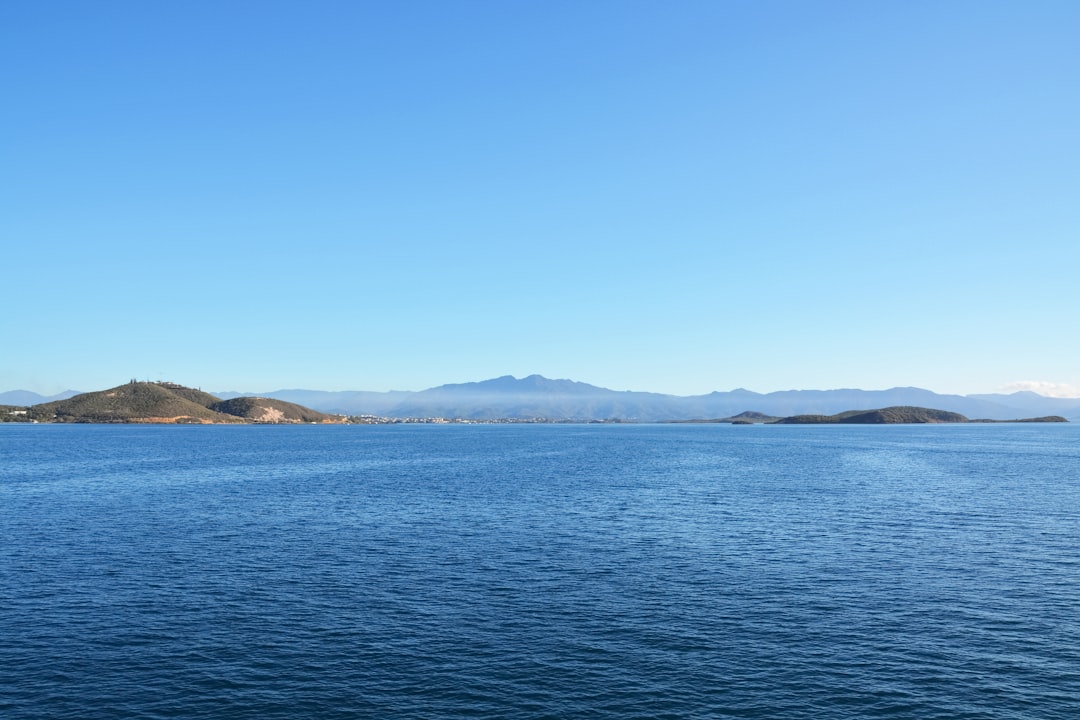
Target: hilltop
x=163, y=402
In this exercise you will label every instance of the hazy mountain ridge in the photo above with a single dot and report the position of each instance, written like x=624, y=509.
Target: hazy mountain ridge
x=536, y=396
x=344, y=402
x=1033, y=402
x=26, y=397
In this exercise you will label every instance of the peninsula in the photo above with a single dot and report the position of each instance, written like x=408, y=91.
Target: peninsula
x=165, y=403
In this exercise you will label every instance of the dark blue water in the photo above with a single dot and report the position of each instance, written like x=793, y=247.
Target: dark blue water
x=540, y=572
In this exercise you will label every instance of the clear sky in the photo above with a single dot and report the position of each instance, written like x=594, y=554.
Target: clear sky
x=669, y=196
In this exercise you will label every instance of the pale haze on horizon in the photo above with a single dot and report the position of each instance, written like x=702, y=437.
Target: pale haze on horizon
x=675, y=198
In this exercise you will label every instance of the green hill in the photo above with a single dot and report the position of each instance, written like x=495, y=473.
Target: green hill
x=161, y=402
x=13, y=413
x=901, y=415
x=255, y=409
x=885, y=416
x=133, y=402
x=744, y=418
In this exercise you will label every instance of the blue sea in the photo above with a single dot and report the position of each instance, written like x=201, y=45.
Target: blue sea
x=540, y=571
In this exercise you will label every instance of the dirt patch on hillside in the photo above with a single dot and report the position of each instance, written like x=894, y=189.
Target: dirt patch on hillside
x=269, y=415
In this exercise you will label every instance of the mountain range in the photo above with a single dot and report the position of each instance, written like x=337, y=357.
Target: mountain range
x=25, y=397
x=536, y=396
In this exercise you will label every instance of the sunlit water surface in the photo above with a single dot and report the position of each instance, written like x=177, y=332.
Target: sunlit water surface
x=540, y=572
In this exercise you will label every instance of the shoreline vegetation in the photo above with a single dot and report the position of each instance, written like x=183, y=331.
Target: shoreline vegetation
x=166, y=403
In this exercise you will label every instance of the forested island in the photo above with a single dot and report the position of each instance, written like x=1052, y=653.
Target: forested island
x=902, y=415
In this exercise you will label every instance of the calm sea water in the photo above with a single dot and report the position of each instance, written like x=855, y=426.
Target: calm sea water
x=540, y=572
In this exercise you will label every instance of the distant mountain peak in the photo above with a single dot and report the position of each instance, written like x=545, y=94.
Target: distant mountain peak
x=26, y=397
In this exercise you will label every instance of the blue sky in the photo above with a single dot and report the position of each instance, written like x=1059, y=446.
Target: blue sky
x=678, y=197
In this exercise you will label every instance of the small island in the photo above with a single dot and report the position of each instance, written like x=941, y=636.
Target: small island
x=901, y=415
x=749, y=417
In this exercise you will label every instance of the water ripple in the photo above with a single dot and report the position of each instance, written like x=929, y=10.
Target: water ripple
x=539, y=572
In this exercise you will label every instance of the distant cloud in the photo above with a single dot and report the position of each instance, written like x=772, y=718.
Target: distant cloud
x=1046, y=389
